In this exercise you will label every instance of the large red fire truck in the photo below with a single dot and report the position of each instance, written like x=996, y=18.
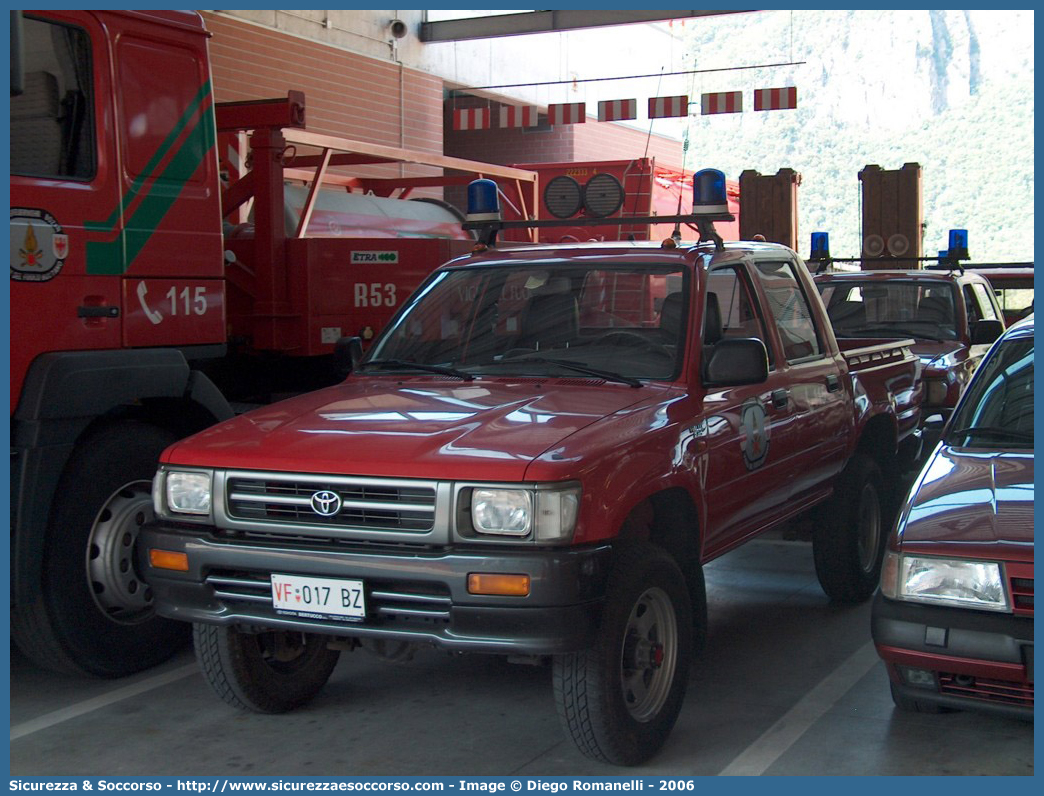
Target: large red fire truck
x=154, y=284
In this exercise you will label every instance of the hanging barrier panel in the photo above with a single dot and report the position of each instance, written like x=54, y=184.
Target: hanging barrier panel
x=471, y=119
x=567, y=113
x=617, y=110
x=663, y=107
x=775, y=99
x=519, y=116
x=722, y=102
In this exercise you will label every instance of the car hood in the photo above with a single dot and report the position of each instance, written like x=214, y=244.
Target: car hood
x=411, y=427
x=972, y=502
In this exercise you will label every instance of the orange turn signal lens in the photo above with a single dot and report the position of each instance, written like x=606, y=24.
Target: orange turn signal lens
x=167, y=559
x=504, y=585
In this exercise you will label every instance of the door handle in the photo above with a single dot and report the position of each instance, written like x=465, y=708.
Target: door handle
x=780, y=398
x=833, y=383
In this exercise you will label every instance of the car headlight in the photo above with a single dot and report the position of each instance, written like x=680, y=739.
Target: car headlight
x=542, y=515
x=954, y=582
x=186, y=492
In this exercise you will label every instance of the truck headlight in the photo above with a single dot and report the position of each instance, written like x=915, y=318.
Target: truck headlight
x=954, y=582
x=502, y=511
x=187, y=492
x=542, y=515
x=937, y=390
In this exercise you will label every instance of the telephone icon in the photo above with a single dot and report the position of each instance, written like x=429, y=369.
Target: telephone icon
x=151, y=314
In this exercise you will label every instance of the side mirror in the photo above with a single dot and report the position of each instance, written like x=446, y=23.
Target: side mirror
x=984, y=332
x=347, y=355
x=735, y=361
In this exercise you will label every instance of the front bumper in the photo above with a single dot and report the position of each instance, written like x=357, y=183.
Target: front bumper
x=979, y=660
x=415, y=595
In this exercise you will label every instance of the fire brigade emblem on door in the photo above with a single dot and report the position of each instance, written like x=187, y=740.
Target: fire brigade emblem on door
x=326, y=503
x=39, y=245
x=755, y=431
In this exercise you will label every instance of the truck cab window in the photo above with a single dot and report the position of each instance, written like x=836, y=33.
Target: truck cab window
x=790, y=308
x=731, y=310
x=52, y=132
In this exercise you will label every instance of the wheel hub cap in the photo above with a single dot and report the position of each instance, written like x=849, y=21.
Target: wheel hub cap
x=113, y=577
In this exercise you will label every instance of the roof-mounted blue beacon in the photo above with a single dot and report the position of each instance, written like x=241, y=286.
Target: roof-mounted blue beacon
x=958, y=244
x=820, y=246
x=483, y=201
x=708, y=194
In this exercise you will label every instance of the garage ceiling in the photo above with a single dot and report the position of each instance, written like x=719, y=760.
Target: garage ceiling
x=546, y=22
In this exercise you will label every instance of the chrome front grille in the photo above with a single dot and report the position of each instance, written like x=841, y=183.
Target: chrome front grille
x=370, y=508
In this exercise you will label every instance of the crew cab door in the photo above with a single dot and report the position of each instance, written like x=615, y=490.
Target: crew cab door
x=818, y=405
x=744, y=429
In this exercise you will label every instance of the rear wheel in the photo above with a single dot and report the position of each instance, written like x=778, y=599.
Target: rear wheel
x=619, y=699
x=94, y=614
x=849, y=537
x=270, y=672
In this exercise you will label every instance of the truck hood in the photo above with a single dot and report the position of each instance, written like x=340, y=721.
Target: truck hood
x=939, y=356
x=425, y=427
x=973, y=503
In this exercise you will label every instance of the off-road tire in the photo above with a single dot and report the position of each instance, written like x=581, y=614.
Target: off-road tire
x=850, y=532
x=93, y=614
x=619, y=699
x=270, y=672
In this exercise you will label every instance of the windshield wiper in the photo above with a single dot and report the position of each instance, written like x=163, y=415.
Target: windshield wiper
x=578, y=367
x=993, y=431
x=399, y=363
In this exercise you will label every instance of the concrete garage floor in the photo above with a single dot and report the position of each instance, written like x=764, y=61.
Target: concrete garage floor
x=788, y=685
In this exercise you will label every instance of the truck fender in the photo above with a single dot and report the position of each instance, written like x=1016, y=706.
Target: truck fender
x=63, y=393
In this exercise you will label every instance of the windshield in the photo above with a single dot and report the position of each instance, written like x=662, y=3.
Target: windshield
x=998, y=408
x=894, y=308
x=621, y=323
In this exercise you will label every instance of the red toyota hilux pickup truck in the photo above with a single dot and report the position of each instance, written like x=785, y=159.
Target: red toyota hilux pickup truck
x=535, y=459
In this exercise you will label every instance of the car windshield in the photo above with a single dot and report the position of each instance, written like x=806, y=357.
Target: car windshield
x=998, y=408
x=919, y=309
x=620, y=323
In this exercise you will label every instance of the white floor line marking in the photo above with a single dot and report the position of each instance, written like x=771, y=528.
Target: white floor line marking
x=117, y=695
x=777, y=739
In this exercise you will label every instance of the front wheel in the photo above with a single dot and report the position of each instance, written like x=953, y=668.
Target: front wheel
x=270, y=672
x=619, y=699
x=849, y=537
x=94, y=614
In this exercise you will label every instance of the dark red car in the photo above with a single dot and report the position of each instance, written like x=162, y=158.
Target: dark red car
x=953, y=620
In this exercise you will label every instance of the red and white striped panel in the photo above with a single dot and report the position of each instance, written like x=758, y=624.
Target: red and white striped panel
x=567, y=113
x=471, y=119
x=617, y=110
x=722, y=102
x=775, y=99
x=519, y=116
x=662, y=107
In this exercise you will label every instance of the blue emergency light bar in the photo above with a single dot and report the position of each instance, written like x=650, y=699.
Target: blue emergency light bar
x=483, y=201
x=708, y=193
x=958, y=244
x=820, y=246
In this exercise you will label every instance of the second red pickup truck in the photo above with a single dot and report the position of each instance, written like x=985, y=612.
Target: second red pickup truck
x=536, y=459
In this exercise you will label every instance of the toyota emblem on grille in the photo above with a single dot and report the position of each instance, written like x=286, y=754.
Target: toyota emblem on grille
x=326, y=503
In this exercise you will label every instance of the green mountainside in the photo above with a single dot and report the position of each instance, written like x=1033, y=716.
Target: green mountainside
x=950, y=90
